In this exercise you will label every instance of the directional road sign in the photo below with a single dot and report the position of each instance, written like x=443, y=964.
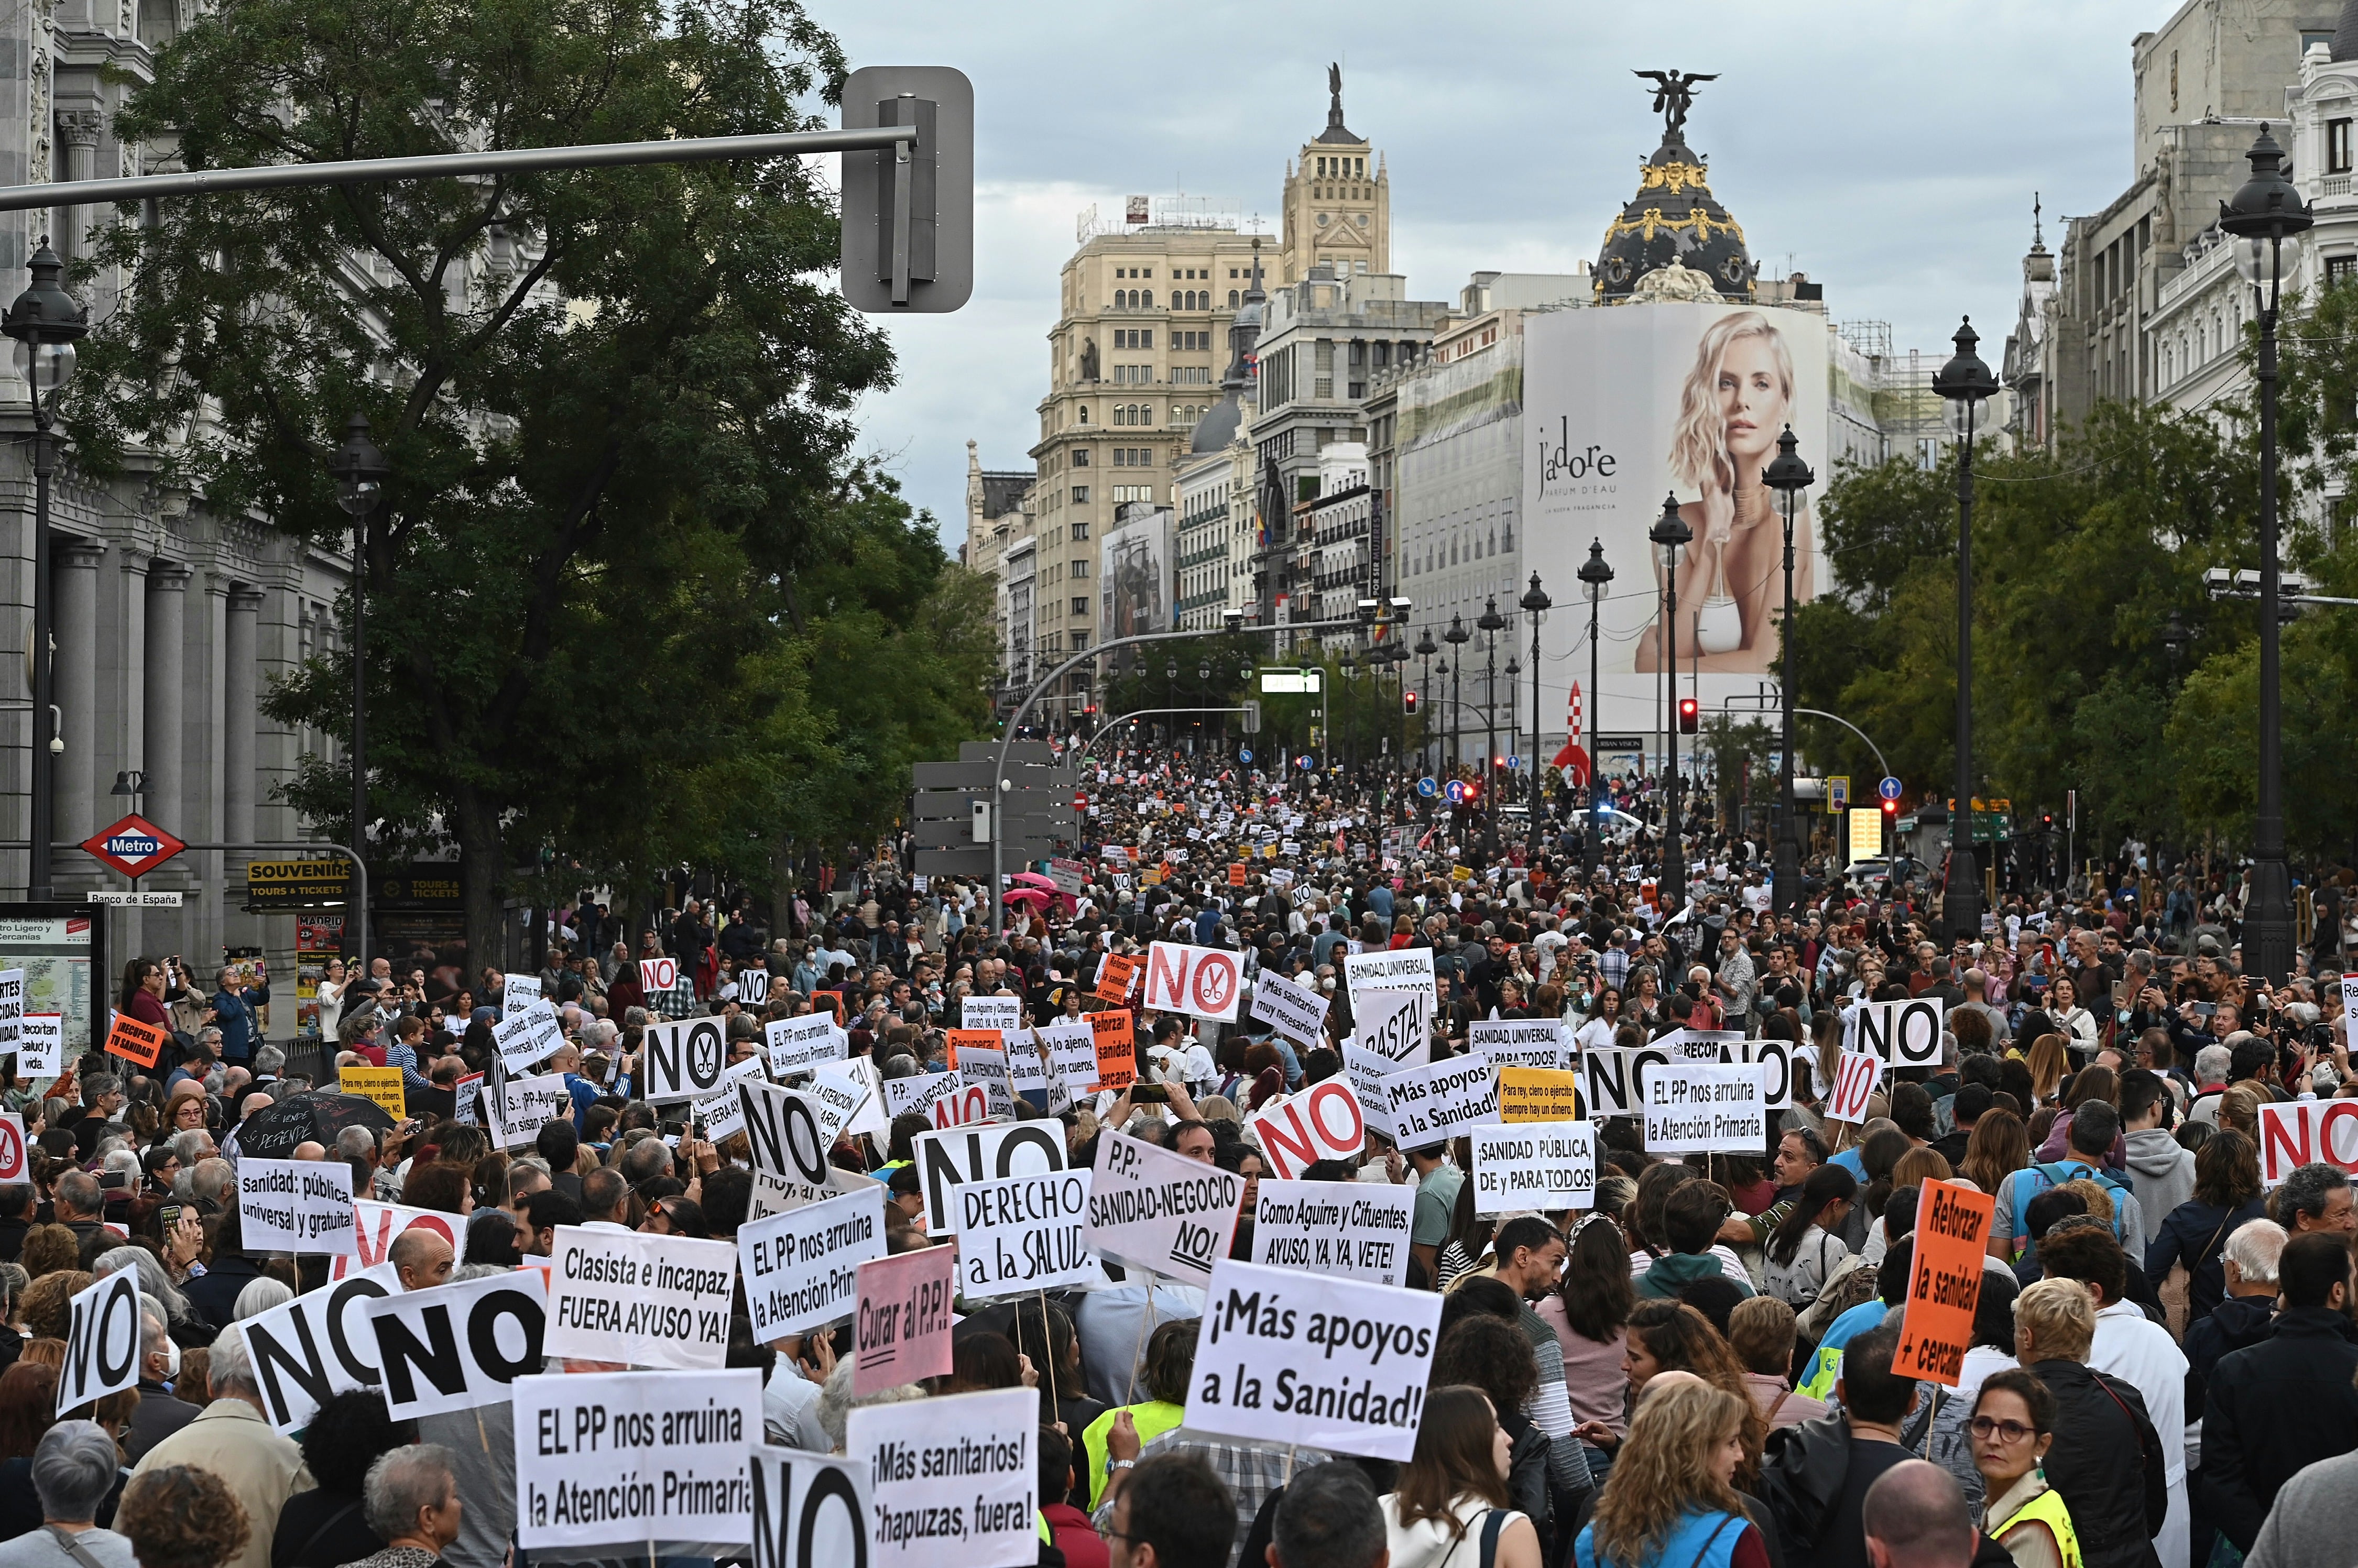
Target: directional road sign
x=1427, y=788
x=1244, y=756
x=1888, y=789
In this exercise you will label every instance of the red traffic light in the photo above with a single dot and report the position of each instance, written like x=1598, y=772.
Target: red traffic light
x=1890, y=808
x=1690, y=715
x=1408, y=702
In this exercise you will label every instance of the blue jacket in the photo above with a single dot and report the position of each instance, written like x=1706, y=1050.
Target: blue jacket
x=241, y=1030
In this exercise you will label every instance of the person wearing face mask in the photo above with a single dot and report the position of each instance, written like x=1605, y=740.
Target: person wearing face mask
x=161, y=1413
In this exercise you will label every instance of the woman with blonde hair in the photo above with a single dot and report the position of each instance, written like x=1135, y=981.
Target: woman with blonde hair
x=1671, y=1501
x=1738, y=399
x=2049, y=1061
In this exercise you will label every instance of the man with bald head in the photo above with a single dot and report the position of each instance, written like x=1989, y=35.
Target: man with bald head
x=421, y=1257
x=1915, y=1517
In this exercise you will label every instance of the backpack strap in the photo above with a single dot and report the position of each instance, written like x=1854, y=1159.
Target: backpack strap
x=1492, y=1523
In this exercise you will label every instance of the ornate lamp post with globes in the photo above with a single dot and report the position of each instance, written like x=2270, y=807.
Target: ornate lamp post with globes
x=1966, y=382
x=1788, y=475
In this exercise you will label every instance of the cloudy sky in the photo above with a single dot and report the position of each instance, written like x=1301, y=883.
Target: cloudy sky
x=1889, y=149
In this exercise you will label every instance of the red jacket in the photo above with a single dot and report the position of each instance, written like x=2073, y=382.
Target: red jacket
x=1076, y=1537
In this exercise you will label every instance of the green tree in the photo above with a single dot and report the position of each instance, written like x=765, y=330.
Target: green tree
x=615, y=401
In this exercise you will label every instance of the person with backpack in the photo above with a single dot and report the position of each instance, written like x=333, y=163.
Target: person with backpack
x=2094, y=1126
x=1805, y=1250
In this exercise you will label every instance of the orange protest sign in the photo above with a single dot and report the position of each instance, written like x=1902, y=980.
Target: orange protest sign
x=1952, y=1234
x=978, y=1038
x=1117, y=1050
x=134, y=1041
x=1236, y=873
x=1113, y=981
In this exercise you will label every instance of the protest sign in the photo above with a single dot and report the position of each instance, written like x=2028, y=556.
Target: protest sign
x=986, y=1442
x=801, y=1267
x=134, y=1041
x=1521, y=1042
x=1613, y=1081
x=1432, y=1105
x=856, y=1082
x=12, y=1010
x=529, y=1104
x=12, y=1147
x=775, y=1194
x=682, y=1059
x=1205, y=982
x=961, y=1040
x=723, y=1115
x=999, y=1013
x=785, y=1131
x=795, y=1043
x=1544, y=1165
x=1323, y=1122
x=1114, y=977
x=310, y=1350
x=2350, y=1010
x=919, y=1094
x=1287, y=1358
x=1701, y=1045
x=1904, y=1033
x=295, y=1205
x=379, y=1223
x=2297, y=1132
x=1295, y=1012
x=902, y=1331
x=379, y=1086
x=986, y=1070
x=1537, y=1094
x=1855, y=1073
x=518, y=993
x=1027, y=1068
x=41, y=1045
x=658, y=975
x=452, y=1347
x=810, y=1510
x=1693, y=1108
x=1117, y=1045
x=1020, y=1234
x=524, y=1036
x=1387, y=970
x=102, y=1342
x=1152, y=1209
x=635, y=1296
x=1355, y=1230
x=1945, y=1286
x=1396, y=1025
x=1367, y=1072
x=979, y=1153
x=1072, y=1051
x=624, y=1458
x=467, y=1090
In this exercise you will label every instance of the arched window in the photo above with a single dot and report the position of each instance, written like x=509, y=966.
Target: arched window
x=1146, y=299
x=1235, y=299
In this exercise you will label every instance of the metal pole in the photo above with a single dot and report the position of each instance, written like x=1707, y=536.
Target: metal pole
x=1963, y=904
x=1786, y=866
x=1675, y=863
x=43, y=814
x=359, y=916
x=438, y=165
x=2267, y=923
x=1532, y=855
x=1593, y=715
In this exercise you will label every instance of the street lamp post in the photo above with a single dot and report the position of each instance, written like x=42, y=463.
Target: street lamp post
x=1596, y=577
x=46, y=321
x=2266, y=216
x=1670, y=534
x=359, y=472
x=1966, y=382
x=1535, y=603
x=1425, y=648
x=1456, y=637
x=1788, y=475
x=1491, y=624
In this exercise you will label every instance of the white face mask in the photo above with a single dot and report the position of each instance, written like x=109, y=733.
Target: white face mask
x=171, y=1360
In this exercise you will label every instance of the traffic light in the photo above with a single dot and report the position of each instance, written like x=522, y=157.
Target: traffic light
x=1408, y=703
x=1890, y=808
x=1690, y=716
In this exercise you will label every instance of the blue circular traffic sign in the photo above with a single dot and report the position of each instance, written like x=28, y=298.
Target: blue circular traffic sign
x=1305, y=761
x=1456, y=792
x=1244, y=754
x=1514, y=764
x=1888, y=789
x=1427, y=788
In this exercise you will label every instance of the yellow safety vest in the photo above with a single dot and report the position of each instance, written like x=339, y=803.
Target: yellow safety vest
x=1153, y=1417
x=2047, y=1509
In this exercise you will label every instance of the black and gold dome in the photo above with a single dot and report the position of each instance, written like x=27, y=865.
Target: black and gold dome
x=1673, y=218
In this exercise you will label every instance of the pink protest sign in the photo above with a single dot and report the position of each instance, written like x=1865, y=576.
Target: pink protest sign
x=903, y=1330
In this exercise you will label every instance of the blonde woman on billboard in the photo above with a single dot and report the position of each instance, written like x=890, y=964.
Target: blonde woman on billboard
x=1736, y=401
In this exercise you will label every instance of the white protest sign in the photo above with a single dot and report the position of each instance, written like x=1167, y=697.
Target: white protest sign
x=1696, y=1108
x=519, y=991
x=2349, y=1010
x=810, y=1510
x=1393, y=969
x=614, y=1458
x=1613, y=1081
x=1323, y=1122
x=979, y=1153
x=381, y=1221
x=857, y=1081
x=1072, y=1049
x=41, y=1045
x=658, y=975
x=986, y=1070
x=919, y=1092
x=1288, y=1358
x=1522, y=1042
x=1206, y=982
x=295, y=1205
x=2298, y=1132
x=1020, y=1234
x=1295, y=1012
x=987, y=1441
x=1367, y=1072
x=683, y=1059
x=795, y=1043
x=1004, y=1013
x=1855, y=1073
x=722, y=1114
x=1027, y=1069
x=12, y=1017
x=1396, y=1025
x=529, y=1104
x=308, y=1350
x=1904, y=1033
x=1152, y=1209
x=1543, y=1166
x=637, y=1297
x=788, y=1132
x=12, y=1147
x=1357, y=1230
x=774, y=1194
x=1432, y=1105
x=801, y=1268
x=754, y=986
x=453, y=1347
x=102, y=1343
x=526, y=1035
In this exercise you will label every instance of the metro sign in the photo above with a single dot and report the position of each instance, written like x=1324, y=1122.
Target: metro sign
x=133, y=846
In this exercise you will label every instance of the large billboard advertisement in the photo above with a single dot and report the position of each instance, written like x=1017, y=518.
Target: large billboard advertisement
x=1134, y=573
x=1623, y=406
